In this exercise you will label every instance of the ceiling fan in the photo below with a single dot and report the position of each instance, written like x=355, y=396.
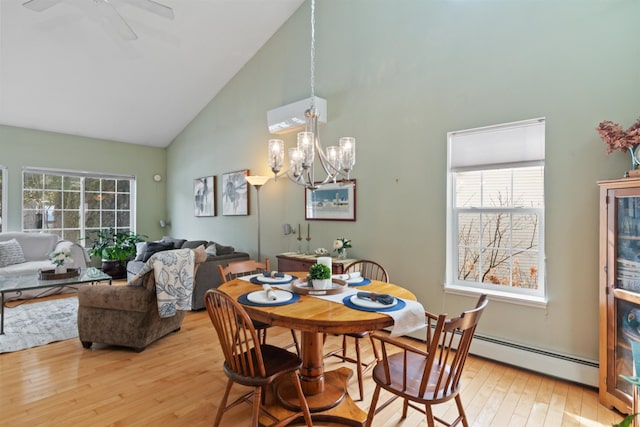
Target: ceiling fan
x=110, y=13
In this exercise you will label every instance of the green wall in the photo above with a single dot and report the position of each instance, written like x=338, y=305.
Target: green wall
x=398, y=75
x=25, y=147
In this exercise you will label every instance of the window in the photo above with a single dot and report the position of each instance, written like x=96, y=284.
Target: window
x=74, y=204
x=495, y=213
x=3, y=195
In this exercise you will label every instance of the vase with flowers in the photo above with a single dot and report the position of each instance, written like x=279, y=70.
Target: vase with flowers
x=340, y=245
x=617, y=138
x=60, y=258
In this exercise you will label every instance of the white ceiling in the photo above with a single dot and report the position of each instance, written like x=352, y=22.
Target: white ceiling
x=63, y=70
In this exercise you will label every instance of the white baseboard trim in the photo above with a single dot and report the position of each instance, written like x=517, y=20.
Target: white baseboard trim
x=570, y=368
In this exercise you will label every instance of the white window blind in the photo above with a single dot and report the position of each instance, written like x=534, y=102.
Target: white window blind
x=499, y=146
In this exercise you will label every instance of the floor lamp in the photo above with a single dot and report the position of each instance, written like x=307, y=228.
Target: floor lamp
x=258, y=181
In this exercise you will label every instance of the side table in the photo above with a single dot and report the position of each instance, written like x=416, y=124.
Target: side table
x=293, y=261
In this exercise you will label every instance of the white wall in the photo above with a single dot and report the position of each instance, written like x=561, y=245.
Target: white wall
x=398, y=75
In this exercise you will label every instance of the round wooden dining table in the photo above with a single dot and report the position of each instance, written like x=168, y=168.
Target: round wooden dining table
x=326, y=392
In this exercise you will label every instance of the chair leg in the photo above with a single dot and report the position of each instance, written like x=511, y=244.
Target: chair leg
x=304, y=406
x=372, y=407
x=463, y=415
x=359, y=368
x=223, y=404
x=344, y=346
x=257, y=402
x=295, y=341
x=405, y=407
x=429, y=414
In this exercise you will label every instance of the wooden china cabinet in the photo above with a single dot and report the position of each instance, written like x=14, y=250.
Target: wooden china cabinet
x=619, y=290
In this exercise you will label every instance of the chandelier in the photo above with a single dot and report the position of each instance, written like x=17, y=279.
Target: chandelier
x=335, y=160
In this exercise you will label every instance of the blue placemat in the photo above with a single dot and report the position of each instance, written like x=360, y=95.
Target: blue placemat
x=400, y=304
x=364, y=282
x=256, y=281
x=242, y=299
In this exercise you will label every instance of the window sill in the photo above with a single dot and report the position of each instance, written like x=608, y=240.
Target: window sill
x=528, y=300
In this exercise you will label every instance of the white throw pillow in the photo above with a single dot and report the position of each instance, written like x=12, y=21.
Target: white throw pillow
x=11, y=253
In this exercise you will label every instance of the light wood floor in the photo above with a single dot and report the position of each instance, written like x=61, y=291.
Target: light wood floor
x=178, y=381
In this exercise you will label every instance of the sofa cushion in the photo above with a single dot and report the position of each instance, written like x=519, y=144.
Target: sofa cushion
x=29, y=267
x=200, y=254
x=153, y=247
x=211, y=250
x=11, y=253
x=224, y=250
x=192, y=244
x=140, y=248
x=177, y=243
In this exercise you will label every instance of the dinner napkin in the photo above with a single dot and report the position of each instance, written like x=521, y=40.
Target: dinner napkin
x=267, y=273
x=347, y=276
x=384, y=299
x=271, y=296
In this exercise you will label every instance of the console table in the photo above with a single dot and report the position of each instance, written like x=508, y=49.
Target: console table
x=293, y=261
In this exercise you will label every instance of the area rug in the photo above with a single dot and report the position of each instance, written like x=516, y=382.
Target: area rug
x=39, y=323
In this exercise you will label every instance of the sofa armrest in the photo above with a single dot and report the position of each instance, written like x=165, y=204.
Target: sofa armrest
x=208, y=276
x=124, y=298
x=78, y=253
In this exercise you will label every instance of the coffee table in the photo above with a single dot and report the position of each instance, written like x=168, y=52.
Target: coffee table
x=19, y=283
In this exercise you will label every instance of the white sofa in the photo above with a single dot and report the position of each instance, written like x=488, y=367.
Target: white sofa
x=36, y=248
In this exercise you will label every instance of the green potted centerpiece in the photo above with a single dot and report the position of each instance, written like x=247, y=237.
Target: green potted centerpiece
x=320, y=276
x=114, y=248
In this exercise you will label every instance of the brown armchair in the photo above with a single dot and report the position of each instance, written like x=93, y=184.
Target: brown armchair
x=126, y=315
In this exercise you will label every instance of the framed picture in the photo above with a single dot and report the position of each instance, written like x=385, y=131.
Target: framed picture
x=234, y=193
x=204, y=196
x=335, y=202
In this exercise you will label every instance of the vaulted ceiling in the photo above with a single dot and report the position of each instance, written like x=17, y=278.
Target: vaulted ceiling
x=66, y=69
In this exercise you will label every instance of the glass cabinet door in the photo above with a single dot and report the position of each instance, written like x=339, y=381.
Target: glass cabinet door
x=624, y=298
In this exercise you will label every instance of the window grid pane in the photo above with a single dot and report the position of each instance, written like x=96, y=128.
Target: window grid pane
x=53, y=202
x=497, y=220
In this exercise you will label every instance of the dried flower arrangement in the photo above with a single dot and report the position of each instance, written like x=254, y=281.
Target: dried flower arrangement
x=618, y=139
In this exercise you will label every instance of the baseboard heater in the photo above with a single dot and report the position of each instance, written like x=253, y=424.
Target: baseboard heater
x=570, y=368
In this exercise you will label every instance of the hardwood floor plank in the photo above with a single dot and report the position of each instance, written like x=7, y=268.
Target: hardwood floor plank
x=178, y=381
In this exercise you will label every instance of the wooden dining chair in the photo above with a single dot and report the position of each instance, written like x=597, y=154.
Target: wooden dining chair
x=374, y=271
x=427, y=376
x=237, y=269
x=249, y=362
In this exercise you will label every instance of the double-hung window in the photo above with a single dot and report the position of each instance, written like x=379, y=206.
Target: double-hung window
x=74, y=204
x=495, y=210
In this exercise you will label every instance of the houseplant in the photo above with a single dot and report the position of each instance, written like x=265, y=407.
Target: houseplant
x=115, y=248
x=320, y=276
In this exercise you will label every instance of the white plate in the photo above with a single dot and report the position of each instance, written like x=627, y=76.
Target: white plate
x=265, y=279
x=260, y=297
x=370, y=304
x=355, y=280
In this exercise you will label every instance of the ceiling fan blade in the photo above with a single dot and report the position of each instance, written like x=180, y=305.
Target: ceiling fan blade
x=153, y=7
x=40, y=5
x=111, y=15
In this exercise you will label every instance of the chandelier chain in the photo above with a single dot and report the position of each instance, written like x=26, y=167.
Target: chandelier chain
x=313, y=52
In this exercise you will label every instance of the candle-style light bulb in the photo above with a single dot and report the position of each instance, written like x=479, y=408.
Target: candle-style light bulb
x=276, y=154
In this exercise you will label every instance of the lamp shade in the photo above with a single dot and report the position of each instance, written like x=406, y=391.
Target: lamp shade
x=257, y=180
